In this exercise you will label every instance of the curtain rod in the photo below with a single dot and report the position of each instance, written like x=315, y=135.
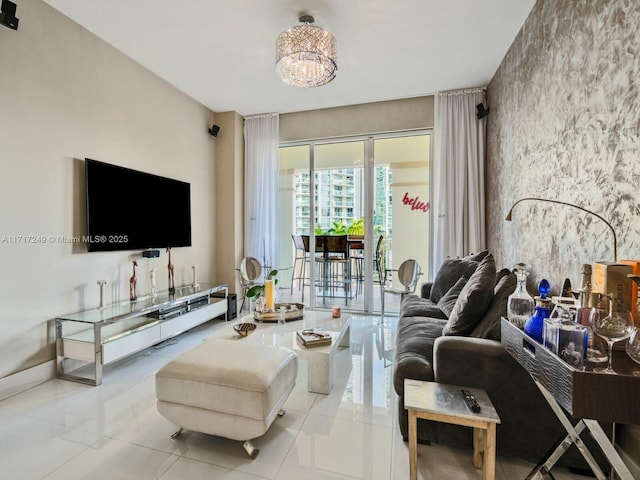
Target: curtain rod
x=261, y=115
x=462, y=92
x=358, y=136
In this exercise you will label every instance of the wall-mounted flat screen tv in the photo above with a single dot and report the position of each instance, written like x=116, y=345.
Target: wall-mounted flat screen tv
x=131, y=210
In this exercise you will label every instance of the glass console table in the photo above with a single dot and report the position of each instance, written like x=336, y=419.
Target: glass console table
x=587, y=396
x=85, y=341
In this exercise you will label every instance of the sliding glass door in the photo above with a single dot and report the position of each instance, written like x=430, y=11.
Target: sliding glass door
x=346, y=206
x=339, y=224
x=402, y=206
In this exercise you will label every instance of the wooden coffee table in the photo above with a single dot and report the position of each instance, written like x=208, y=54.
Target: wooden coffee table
x=320, y=359
x=445, y=403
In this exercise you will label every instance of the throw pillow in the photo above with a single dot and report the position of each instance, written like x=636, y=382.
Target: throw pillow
x=449, y=299
x=474, y=299
x=450, y=272
x=489, y=327
x=477, y=257
x=502, y=273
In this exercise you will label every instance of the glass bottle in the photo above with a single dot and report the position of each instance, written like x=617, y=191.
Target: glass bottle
x=584, y=297
x=520, y=304
x=566, y=289
x=587, y=301
x=535, y=325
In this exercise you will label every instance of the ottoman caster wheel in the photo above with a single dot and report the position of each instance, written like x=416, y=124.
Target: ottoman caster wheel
x=176, y=433
x=251, y=450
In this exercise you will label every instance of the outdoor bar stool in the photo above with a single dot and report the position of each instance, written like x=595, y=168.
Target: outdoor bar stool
x=335, y=268
x=301, y=255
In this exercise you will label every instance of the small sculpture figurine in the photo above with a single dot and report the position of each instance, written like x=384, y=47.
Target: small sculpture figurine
x=172, y=287
x=195, y=283
x=132, y=283
x=102, y=283
x=571, y=356
x=153, y=282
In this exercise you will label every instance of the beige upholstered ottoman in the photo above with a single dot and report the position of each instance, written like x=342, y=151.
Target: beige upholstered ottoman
x=227, y=388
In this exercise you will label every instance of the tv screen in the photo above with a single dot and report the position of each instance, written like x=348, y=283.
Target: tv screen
x=130, y=210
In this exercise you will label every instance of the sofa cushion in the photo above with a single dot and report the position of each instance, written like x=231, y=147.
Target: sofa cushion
x=449, y=299
x=451, y=270
x=489, y=327
x=414, y=306
x=414, y=349
x=474, y=299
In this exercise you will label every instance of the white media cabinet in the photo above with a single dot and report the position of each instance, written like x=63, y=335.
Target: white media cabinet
x=85, y=341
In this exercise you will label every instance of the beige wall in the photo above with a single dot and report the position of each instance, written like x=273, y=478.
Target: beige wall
x=229, y=191
x=368, y=118
x=564, y=125
x=66, y=95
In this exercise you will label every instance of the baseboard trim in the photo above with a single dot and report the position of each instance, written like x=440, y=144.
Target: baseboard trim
x=26, y=379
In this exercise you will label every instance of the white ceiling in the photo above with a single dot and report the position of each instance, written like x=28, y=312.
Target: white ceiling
x=222, y=52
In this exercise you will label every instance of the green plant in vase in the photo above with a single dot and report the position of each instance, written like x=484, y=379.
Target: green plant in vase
x=267, y=290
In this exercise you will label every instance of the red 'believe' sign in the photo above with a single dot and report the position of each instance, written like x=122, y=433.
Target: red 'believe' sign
x=415, y=203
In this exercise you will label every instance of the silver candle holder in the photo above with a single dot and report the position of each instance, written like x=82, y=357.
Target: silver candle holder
x=101, y=283
x=195, y=283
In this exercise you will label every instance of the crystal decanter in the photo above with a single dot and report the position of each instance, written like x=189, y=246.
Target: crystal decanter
x=520, y=304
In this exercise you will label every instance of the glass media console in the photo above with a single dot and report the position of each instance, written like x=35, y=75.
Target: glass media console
x=86, y=341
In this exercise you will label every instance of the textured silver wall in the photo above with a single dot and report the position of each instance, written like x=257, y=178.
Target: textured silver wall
x=565, y=125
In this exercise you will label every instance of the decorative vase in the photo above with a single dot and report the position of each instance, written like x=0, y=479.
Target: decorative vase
x=535, y=325
x=520, y=305
x=269, y=295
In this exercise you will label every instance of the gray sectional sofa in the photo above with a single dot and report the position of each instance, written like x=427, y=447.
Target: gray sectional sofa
x=450, y=333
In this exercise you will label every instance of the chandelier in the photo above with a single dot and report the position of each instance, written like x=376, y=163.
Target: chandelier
x=306, y=55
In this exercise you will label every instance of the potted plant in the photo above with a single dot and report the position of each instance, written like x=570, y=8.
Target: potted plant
x=338, y=228
x=356, y=227
x=257, y=290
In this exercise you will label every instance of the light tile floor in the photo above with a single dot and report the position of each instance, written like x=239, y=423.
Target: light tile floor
x=64, y=430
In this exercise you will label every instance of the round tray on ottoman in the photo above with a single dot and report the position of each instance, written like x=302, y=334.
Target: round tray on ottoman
x=289, y=314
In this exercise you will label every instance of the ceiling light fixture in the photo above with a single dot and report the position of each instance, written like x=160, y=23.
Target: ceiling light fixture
x=306, y=55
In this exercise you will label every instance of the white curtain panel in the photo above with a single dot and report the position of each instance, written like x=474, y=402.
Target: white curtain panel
x=458, y=176
x=261, y=218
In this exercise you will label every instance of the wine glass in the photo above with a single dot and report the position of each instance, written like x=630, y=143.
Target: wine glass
x=633, y=345
x=596, y=346
x=633, y=349
x=616, y=326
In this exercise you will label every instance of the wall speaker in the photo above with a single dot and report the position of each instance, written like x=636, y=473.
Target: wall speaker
x=481, y=111
x=214, y=130
x=8, y=15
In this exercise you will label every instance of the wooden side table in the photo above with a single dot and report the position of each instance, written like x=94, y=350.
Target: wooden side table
x=445, y=403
